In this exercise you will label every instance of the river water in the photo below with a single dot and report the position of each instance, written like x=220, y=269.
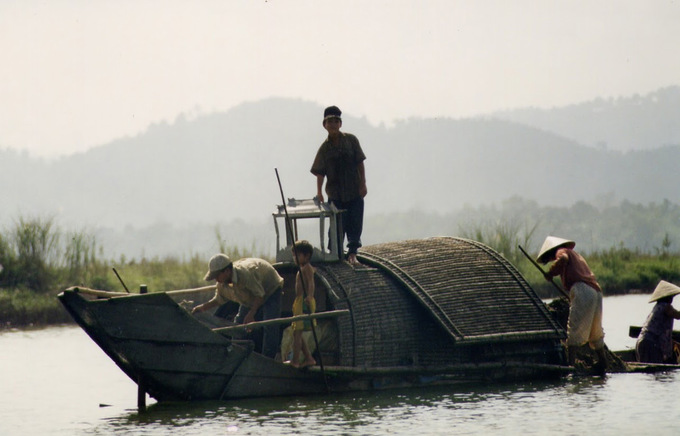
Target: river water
x=56, y=381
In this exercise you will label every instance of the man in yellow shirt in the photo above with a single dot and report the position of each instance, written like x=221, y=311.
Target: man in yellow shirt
x=255, y=285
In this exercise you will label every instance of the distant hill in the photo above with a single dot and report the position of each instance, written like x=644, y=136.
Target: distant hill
x=218, y=168
x=620, y=124
x=221, y=167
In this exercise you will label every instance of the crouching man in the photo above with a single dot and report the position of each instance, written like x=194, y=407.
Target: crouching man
x=255, y=285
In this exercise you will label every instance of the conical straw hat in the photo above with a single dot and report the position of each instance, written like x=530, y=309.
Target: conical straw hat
x=553, y=243
x=663, y=290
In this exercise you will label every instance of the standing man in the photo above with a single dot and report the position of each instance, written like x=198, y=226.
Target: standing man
x=585, y=297
x=340, y=160
x=256, y=286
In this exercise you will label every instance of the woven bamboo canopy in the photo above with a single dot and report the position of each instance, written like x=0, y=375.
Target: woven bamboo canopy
x=437, y=301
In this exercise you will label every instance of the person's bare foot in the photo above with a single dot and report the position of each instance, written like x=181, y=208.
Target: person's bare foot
x=307, y=363
x=352, y=259
x=291, y=363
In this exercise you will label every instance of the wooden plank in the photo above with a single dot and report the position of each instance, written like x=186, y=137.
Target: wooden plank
x=447, y=369
x=634, y=331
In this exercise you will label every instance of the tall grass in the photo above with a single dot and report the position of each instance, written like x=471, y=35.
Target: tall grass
x=161, y=274
x=619, y=270
x=504, y=237
x=37, y=256
x=39, y=260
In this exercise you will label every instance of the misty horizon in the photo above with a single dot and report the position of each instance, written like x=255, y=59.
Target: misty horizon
x=79, y=74
x=218, y=169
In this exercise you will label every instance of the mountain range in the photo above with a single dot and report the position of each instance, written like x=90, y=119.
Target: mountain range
x=219, y=167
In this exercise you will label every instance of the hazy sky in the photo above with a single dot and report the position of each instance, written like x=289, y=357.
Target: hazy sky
x=79, y=73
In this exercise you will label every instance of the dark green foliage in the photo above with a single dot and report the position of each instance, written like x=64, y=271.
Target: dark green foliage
x=21, y=307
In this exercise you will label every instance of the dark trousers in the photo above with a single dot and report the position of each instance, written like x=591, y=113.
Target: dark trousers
x=649, y=350
x=351, y=223
x=269, y=310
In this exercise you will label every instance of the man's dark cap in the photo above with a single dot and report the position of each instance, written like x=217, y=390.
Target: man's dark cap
x=331, y=112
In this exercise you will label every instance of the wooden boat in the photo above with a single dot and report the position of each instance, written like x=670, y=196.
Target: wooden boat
x=632, y=363
x=440, y=310
x=635, y=330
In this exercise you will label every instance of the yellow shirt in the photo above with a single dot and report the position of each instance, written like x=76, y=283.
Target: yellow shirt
x=251, y=278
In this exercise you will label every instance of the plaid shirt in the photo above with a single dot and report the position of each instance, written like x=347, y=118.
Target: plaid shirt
x=339, y=164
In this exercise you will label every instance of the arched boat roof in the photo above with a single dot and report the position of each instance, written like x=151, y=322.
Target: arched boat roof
x=472, y=291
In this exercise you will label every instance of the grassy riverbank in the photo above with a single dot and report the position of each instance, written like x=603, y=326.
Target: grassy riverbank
x=618, y=271
x=39, y=261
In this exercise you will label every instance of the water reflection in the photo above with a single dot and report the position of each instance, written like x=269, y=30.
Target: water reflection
x=415, y=410
x=55, y=379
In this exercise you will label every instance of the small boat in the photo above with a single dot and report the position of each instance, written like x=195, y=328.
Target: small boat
x=630, y=358
x=433, y=311
x=635, y=330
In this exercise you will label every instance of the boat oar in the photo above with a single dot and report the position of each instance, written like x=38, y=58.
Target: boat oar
x=289, y=227
x=559, y=288
x=121, y=281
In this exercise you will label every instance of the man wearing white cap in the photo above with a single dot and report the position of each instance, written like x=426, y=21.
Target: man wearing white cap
x=655, y=343
x=585, y=296
x=255, y=285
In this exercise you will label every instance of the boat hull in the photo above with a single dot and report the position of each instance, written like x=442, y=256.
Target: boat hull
x=174, y=357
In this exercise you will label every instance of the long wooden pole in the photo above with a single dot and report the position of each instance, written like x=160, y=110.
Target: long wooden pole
x=302, y=279
x=109, y=294
x=141, y=394
x=121, y=280
x=559, y=288
x=274, y=321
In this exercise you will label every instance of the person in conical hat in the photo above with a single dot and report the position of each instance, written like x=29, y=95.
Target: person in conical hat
x=585, y=296
x=550, y=245
x=655, y=343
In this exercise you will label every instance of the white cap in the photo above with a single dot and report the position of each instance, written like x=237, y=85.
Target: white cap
x=217, y=263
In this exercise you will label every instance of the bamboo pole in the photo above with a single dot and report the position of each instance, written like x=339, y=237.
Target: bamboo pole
x=97, y=292
x=274, y=321
x=141, y=394
x=450, y=369
x=302, y=280
x=192, y=290
x=121, y=281
x=109, y=294
x=559, y=288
